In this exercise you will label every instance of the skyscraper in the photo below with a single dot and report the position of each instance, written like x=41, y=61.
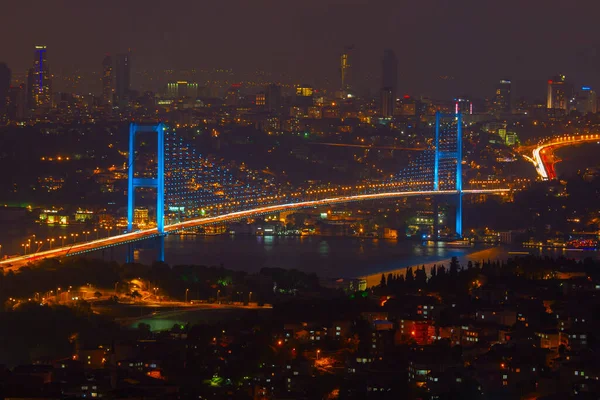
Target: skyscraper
x=107, y=81
x=586, y=100
x=558, y=93
x=4, y=85
x=389, y=82
x=40, y=80
x=388, y=101
x=502, y=98
x=345, y=68
x=123, y=72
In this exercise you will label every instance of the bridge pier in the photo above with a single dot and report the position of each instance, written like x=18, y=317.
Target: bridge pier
x=161, y=248
x=129, y=253
x=436, y=220
x=459, y=201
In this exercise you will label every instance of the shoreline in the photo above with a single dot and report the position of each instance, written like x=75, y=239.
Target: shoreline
x=492, y=253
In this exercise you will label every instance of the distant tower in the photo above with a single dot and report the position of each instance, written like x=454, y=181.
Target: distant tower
x=107, y=81
x=389, y=82
x=345, y=69
x=41, y=81
x=123, y=78
x=4, y=85
x=502, y=98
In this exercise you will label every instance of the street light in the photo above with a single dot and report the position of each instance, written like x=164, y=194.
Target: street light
x=318, y=353
x=155, y=291
x=249, y=297
x=186, y=294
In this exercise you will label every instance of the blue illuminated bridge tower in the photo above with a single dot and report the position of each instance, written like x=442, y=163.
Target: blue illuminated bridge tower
x=189, y=186
x=447, y=169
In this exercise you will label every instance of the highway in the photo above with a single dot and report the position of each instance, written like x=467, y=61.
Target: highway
x=543, y=158
x=18, y=262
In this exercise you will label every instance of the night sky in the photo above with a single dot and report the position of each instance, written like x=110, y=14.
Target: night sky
x=475, y=42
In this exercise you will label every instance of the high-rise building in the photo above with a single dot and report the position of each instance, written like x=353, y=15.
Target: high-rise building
x=502, y=98
x=559, y=92
x=4, y=85
x=123, y=78
x=40, y=80
x=107, y=81
x=345, y=70
x=586, y=100
x=181, y=89
x=388, y=102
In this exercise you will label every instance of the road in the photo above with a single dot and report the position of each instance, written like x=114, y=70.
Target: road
x=543, y=155
x=16, y=263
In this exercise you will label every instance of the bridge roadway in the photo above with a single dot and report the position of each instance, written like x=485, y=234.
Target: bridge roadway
x=543, y=158
x=16, y=263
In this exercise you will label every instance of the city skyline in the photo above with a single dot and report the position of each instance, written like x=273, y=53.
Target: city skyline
x=527, y=53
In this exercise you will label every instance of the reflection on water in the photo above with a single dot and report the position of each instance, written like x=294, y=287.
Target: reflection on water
x=324, y=248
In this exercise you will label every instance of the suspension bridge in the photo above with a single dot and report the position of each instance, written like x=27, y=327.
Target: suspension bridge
x=193, y=191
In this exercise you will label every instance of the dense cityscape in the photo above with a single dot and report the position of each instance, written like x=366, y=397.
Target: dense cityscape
x=277, y=233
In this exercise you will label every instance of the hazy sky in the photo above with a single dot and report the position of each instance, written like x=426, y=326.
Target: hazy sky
x=475, y=41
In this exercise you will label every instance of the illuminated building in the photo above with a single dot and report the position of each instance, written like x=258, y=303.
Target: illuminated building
x=4, y=85
x=261, y=99
x=345, y=69
x=463, y=105
x=502, y=98
x=107, y=80
x=304, y=95
x=586, y=100
x=182, y=89
x=314, y=112
x=140, y=216
x=83, y=215
x=558, y=93
x=123, y=78
x=40, y=80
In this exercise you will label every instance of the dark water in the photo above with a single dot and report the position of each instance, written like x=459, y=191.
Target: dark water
x=576, y=158
x=328, y=257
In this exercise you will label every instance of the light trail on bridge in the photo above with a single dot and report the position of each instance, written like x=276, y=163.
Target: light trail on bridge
x=16, y=263
x=541, y=154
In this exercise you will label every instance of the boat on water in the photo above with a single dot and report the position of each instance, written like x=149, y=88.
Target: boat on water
x=459, y=243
